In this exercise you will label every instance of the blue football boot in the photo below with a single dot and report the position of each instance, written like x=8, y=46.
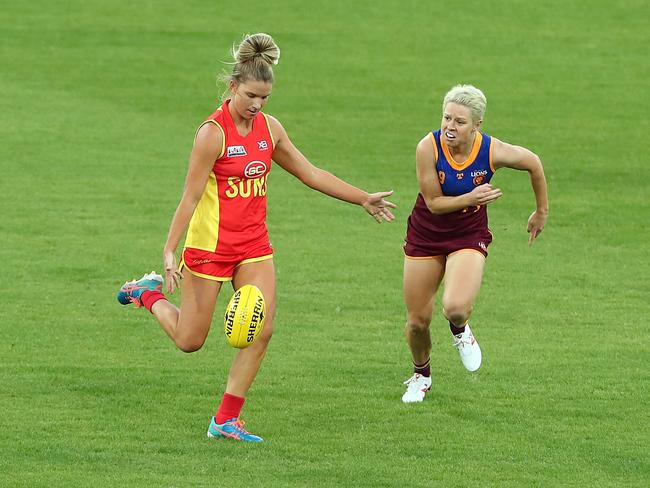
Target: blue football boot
x=132, y=290
x=231, y=429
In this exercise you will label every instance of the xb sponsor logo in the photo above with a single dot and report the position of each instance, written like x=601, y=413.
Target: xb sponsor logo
x=254, y=169
x=262, y=145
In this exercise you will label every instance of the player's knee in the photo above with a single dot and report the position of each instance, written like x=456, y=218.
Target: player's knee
x=266, y=334
x=267, y=330
x=418, y=323
x=190, y=344
x=456, y=312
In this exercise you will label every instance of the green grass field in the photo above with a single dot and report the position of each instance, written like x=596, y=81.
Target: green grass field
x=100, y=101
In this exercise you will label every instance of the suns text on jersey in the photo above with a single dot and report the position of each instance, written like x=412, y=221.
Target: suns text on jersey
x=246, y=188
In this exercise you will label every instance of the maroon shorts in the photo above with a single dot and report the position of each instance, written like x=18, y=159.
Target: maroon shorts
x=418, y=246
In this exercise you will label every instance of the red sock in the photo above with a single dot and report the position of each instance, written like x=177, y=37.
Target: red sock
x=148, y=298
x=229, y=408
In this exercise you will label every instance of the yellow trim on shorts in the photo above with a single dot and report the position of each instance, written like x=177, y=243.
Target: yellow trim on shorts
x=255, y=260
x=444, y=256
x=201, y=275
x=467, y=249
x=420, y=258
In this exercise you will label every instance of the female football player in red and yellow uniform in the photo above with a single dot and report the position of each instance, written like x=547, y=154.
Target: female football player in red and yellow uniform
x=223, y=210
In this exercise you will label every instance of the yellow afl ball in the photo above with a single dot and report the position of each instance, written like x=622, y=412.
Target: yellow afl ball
x=244, y=318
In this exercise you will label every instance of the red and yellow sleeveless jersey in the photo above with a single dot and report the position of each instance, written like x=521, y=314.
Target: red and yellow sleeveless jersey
x=231, y=214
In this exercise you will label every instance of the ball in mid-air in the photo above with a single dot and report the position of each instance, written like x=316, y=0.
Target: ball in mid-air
x=244, y=318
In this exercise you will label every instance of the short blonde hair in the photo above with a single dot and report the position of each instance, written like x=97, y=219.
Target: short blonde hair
x=469, y=96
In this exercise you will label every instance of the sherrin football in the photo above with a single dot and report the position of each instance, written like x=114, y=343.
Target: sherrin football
x=244, y=318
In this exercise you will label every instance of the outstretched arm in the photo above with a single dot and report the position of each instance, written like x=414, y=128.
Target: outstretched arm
x=506, y=155
x=293, y=161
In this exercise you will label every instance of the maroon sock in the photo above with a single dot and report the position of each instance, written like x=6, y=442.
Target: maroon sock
x=148, y=298
x=423, y=369
x=456, y=330
x=229, y=408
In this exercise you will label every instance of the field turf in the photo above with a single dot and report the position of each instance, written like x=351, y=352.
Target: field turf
x=100, y=101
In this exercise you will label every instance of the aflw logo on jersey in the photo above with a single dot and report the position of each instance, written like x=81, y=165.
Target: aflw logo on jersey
x=236, y=151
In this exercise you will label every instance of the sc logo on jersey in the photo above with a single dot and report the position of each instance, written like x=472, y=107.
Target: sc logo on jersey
x=254, y=169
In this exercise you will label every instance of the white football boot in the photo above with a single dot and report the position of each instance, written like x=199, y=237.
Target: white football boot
x=469, y=350
x=418, y=385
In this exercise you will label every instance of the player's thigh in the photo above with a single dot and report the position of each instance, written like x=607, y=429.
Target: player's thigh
x=463, y=275
x=422, y=278
x=262, y=275
x=198, y=300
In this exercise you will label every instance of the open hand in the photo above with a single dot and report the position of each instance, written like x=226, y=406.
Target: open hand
x=379, y=208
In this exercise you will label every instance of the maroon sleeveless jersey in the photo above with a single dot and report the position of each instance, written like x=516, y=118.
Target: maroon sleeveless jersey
x=431, y=234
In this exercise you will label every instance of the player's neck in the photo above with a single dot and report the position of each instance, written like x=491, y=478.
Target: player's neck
x=243, y=125
x=461, y=151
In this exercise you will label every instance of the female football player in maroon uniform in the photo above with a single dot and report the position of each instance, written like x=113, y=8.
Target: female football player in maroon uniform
x=447, y=234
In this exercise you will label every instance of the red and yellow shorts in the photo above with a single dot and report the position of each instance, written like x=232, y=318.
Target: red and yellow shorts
x=221, y=267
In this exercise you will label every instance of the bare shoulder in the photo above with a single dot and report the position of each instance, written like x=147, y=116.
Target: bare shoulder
x=425, y=149
x=209, y=137
x=273, y=120
x=425, y=146
x=276, y=127
x=509, y=155
x=209, y=130
x=499, y=145
x=277, y=130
